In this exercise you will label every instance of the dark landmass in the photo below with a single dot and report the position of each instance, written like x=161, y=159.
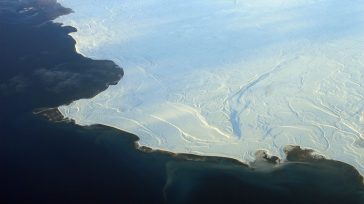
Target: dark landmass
x=51, y=114
x=297, y=154
x=191, y=157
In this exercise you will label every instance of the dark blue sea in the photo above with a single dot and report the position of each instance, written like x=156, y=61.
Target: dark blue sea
x=43, y=161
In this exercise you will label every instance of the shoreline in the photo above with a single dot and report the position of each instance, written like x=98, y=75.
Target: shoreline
x=50, y=159
x=296, y=154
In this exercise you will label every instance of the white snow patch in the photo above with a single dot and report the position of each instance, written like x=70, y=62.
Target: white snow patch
x=228, y=78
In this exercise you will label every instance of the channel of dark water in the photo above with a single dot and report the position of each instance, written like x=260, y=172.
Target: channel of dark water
x=47, y=162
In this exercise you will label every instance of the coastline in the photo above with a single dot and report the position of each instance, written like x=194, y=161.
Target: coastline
x=293, y=153
x=57, y=161
x=264, y=162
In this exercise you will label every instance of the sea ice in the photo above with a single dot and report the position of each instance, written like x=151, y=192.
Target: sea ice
x=228, y=78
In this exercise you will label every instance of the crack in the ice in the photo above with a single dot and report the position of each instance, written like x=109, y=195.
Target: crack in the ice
x=236, y=103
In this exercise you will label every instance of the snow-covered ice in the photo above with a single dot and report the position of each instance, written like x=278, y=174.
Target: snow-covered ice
x=228, y=78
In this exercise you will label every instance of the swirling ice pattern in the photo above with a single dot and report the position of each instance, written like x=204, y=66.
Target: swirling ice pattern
x=228, y=78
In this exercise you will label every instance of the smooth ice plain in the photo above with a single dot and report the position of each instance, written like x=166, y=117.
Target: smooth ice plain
x=227, y=78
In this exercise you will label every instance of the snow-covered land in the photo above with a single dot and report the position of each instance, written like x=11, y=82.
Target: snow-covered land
x=228, y=78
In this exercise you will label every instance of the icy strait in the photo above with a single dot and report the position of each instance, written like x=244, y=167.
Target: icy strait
x=228, y=78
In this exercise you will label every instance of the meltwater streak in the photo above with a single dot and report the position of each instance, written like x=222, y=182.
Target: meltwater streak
x=228, y=78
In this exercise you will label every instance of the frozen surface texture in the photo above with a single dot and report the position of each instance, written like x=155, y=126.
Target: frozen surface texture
x=228, y=78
